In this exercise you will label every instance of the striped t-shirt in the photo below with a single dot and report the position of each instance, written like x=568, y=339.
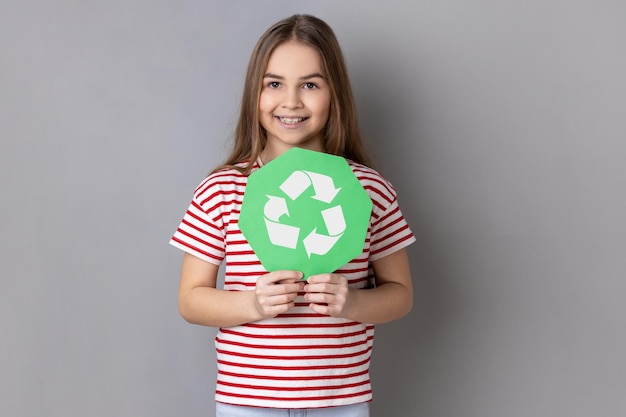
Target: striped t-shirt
x=299, y=359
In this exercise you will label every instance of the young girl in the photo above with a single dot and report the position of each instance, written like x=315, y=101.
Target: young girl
x=284, y=343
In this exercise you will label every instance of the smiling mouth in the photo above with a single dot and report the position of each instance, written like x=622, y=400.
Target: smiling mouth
x=291, y=120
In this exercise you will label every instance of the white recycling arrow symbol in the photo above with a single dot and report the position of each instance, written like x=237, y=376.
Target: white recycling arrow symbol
x=279, y=234
x=286, y=235
x=299, y=181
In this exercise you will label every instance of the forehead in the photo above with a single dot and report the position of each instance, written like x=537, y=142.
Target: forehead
x=294, y=58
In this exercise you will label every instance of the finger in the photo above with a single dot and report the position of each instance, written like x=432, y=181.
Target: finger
x=274, y=310
x=280, y=292
x=271, y=305
x=310, y=289
x=319, y=297
x=282, y=276
x=297, y=281
x=325, y=287
x=318, y=279
x=320, y=309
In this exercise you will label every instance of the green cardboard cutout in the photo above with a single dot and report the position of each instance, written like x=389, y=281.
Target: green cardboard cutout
x=305, y=211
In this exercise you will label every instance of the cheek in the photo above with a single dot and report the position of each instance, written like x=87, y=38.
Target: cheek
x=327, y=112
x=322, y=106
x=265, y=104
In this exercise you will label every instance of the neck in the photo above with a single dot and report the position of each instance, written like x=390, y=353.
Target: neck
x=270, y=152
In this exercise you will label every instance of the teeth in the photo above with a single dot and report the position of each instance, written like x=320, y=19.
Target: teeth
x=290, y=120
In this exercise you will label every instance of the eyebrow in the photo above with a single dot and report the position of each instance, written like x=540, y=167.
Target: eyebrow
x=306, y=77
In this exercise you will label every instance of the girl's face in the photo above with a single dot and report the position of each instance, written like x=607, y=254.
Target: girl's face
x=295, y=100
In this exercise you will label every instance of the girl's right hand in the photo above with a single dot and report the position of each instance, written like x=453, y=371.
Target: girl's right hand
x=276, y=291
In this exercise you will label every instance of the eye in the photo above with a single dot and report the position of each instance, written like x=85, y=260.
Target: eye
x=310, y=86
x=273, y=84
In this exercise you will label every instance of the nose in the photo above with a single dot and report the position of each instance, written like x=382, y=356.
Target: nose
x=292, y=99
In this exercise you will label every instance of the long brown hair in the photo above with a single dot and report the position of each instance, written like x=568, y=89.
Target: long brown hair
x=342, y=135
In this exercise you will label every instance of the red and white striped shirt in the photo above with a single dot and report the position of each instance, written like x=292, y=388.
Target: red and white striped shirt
x=299, y=359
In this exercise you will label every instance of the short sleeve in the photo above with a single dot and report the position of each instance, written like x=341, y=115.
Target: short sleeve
x=200, y=232
x=389, y=230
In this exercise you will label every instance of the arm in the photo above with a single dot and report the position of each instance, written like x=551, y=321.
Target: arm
x=200, y=302
x=391, y=299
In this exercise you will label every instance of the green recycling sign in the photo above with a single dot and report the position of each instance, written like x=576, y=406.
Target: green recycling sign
x=305, y=211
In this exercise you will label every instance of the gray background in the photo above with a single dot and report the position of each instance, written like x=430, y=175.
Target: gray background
x=501, y=124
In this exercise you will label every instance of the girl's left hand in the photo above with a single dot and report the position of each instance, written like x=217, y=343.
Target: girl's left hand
x=328, y=294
